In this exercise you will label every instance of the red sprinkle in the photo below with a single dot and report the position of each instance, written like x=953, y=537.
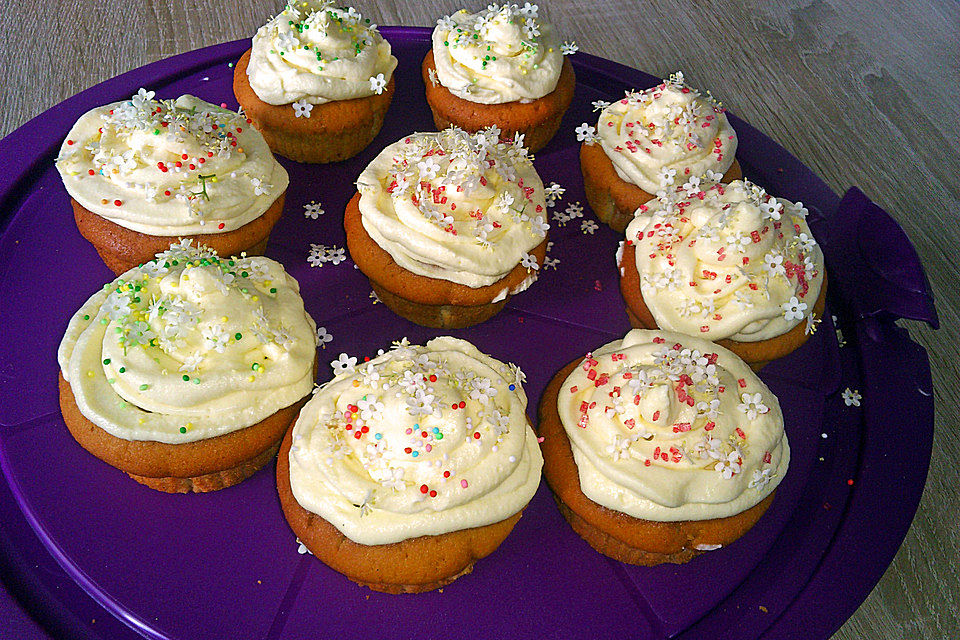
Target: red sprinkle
x=424, y=488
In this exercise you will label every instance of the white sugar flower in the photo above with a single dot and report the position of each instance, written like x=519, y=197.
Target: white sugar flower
x=191, y=363
x=482, y=389
x=807, y=243
x=794, y=309
x=323, y=337
x=771, y=209
x=708, y=448
x=569, y=48
x=752, y=405
x=370, y=409
x=531, y=29
x=529, y=261
x=215, y=337
x=378, y=83
x=760, y=479
x=551, y=263
x=730, y=465
x=142, y=98
x=588, y=226
x=600, y=105
x=302, y=108
x=666, y=176
x=260, y=187
x=692, y=186
x=313, y=210
x=539, y=226
x=586, y=133
x=773, y=263
x=713, y=176
x=420, y=403
x=709, y=409
x=428, y=168
x=344, y=364
x=799, y=210
x=446, y=23
x=529, y=10
x=851, y=397
x=574, y=210
x=336, y=255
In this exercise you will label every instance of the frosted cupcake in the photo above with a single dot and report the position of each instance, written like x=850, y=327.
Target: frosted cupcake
x=143, y=174
x=447, y=226
x=650, y=140
x=403, y=471
x=186, y=372
x=725, y=262
x=316, y=82
x=502, y=66
x=661, y=446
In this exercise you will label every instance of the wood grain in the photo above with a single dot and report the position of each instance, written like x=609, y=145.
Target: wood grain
x=865, y=94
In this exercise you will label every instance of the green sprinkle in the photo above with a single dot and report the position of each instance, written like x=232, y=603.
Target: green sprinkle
x=111, y=380
x=186, y=378
x=183, y=429
x=255, y=366
x=106, y=361
x=86, y=317
x=144, y=387
x=238, y=336
x=123, y=369
x=273, y=289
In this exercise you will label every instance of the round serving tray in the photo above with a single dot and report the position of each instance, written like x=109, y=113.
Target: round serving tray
x=89, y=553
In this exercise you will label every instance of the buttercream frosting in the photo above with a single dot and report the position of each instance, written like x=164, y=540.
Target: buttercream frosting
x=316, y=53
x=668, y=427
x=667, y=133
x=504, y=53
x=422, y=440
x=726, y=261
x=455, y=206
x=189, y=346
x=170, y=168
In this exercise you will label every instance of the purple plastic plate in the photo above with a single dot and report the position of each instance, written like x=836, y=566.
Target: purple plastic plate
x=88, y=553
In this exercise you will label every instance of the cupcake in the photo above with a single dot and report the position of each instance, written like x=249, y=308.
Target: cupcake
x=651, y=140
x=447, y=226
x=500, y=67
x=186, y=372
x=316, y=82
x=403, y=471
x=143, y=174
x=725, y=262
x=661, y=446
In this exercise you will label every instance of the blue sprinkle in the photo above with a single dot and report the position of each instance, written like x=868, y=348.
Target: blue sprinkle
x=415, y=454
x=378, y=435
x=512, y=387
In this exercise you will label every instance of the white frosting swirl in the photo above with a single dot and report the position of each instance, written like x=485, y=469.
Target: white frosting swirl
x=189, y=346
x=502, y=54
x=726, y=261
x=667, y=133
x=423, y=440
x=454, y=206
x=667, y=427
x=315, y=52
x=170, y=168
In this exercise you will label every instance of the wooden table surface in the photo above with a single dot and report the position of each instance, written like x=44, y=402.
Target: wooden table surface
x=864, y=95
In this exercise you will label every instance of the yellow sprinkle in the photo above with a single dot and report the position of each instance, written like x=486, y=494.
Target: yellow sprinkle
x=186, y=277
x=89, y=374
x=252, y=378
x=189, y=425
x=224, y=319
x=141, y=420
x=213, y=179
x=255, y=298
